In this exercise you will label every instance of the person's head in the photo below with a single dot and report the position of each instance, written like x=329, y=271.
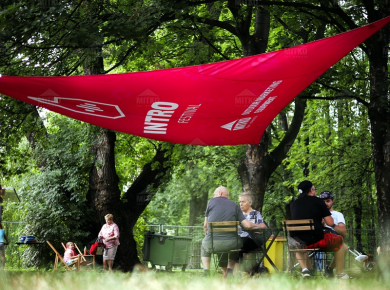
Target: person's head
x=70, y=245
x=221, y=191
x=109, y=218
x=246, y=201
x=328, y=198
x=306, y=188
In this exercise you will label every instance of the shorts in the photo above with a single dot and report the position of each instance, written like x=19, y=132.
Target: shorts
x=222, y=246
x=109, y=253
x=329, y=243
x=2, y=247
x=70, y=261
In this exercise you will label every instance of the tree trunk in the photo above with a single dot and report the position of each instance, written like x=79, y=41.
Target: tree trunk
x=104, y=195
x=379, y=112
x=258, y=164
x=137, y=198
x=254, y=171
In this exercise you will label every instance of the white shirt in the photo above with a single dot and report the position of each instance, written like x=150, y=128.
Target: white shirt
x=338, y=217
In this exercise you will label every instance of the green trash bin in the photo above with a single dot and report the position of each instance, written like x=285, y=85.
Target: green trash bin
x=163, y=250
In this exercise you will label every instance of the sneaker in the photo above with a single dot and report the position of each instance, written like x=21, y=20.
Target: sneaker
x=343, y=276
x=328, y=272
x=306, y=273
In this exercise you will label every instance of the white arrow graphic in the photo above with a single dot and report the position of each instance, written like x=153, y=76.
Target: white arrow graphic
x=229, y=126
x=237, y=124
x=83, y=106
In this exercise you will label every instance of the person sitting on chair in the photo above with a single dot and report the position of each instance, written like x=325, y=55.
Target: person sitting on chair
x=339, y=228
x=308, y=206
x=253, y=216
x=220, y=209
x=70, y=255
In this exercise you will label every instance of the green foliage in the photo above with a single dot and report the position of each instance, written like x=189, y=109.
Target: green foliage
x=53, y=199
x=17, y=120
x=132, y=153
x=333, y=151
x=60, y=37
x=198, y=170
x=333, y=147
x=139, y=231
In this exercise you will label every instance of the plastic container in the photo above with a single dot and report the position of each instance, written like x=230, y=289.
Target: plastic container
x=163, y=250
x=275, y=253
x=27, y=239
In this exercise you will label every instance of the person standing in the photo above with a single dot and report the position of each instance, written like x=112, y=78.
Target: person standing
x=110, y=236
x=3, y=239
x=308, y=206
x=340, y=227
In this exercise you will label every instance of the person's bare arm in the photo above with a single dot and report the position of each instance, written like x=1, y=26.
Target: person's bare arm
x=205, y=226
x=341, y=229
x=329, y=221
x=252, y=226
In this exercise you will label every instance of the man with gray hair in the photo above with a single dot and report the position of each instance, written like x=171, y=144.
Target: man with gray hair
x=220, y=209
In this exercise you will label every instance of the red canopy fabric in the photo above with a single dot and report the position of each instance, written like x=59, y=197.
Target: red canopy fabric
x=225, y=103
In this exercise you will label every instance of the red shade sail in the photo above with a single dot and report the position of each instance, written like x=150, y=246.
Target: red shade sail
x=224, y=103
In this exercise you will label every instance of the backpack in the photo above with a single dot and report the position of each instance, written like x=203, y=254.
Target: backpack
x=95, y=246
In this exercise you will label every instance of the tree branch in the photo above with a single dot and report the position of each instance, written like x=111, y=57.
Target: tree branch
x=221, y=24
x=343, y=97
x=210, y=44
x=279, y=153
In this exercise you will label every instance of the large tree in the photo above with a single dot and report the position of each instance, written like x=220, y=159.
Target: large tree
x=99, y=36
x=378, y=104
x=86, y=37
x=346, y=15
x=249, y=22
x=349, y=15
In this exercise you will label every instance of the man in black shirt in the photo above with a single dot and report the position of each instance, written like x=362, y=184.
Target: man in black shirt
x=309, y=206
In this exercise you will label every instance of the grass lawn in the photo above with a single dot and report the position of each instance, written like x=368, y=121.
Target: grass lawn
x=87, y=280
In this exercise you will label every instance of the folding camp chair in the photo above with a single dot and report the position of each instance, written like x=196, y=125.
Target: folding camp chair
x=59, y=257
x=295, y=247
x=83, y=261
x=219, y=227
